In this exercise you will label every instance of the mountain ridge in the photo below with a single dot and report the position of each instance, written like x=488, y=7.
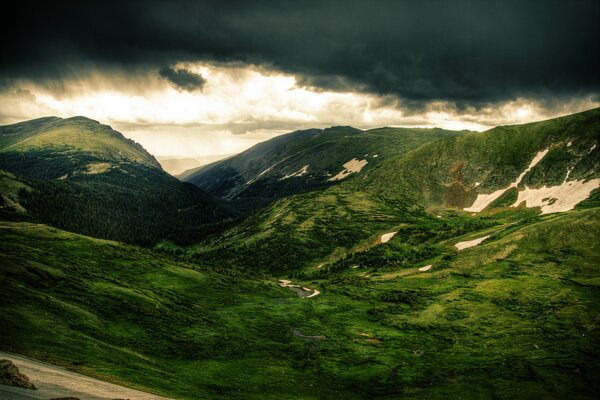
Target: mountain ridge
x=307, y=160
x=411, y=295
x=88, y=178
x=422, y=187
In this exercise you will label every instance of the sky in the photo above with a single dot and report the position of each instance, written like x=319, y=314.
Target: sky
x=197, y=78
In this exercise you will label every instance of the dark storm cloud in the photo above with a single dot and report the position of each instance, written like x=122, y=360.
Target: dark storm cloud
x=465, y=51
x=183, y=79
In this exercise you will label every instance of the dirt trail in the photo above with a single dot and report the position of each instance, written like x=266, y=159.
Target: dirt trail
x=18, y=143
x=52, y=382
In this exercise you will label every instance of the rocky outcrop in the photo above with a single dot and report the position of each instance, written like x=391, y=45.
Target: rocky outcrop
x=10, y=375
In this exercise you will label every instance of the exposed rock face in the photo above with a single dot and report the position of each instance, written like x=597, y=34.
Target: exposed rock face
x=10, y=375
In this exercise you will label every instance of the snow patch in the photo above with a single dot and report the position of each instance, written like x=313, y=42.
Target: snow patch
x=386, y=237
x=97, y=168
x=350, y=167
x=300, y=172
x=376, y=155
x=267, y=170
x=592, y=149
x=570, y=143
x=484, y=200
x=425, y=268
x=559, y=198
x=251, y=181
x=470, y=243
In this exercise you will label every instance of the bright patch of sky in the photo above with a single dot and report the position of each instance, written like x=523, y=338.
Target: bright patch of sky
x=237, y=107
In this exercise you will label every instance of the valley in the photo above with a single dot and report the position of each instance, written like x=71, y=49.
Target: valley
x=454, y=264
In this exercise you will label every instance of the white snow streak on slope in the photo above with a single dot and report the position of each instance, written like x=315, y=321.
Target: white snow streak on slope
x=470, y=243
x=386, y=237
x=300, y=172
x=563, y=197
x=350, y=167
x=267, y=170
x=484, y=200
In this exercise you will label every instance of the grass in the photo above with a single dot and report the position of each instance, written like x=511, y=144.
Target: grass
x=77, y=133
x=493, y=158
x=512, y=318
x=79, y=175
x=323, y=151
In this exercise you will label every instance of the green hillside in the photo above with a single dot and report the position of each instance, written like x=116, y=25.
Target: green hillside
x=305, y=160
x=403, y=289
x=425, y=191
x=448, y=173
x=85, y=177
x=512, y=318
x=74, y=137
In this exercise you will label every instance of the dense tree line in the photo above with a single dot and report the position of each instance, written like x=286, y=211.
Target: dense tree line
x=128, y=202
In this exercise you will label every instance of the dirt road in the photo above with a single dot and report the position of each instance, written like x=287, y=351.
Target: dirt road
x=52, y=382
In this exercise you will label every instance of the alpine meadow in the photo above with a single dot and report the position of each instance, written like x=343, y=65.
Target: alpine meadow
x=300, y=200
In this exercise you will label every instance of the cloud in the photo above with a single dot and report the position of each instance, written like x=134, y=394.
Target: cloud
x=241, y=99
x=241, y=105
x=182, y=79
x=235, y=68
x=467, y=52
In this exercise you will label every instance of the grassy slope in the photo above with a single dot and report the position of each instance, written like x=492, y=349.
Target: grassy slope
x=515, y=317
x=90, y=179
x=447, y=172
x=323, y=226
x=125, y=313
x=411, y=190
x=324, y=151
x=77, y=133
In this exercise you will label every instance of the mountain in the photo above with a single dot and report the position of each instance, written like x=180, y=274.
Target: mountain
x=552, y=164
x=305, y=160
x=88, y=178
x=433, y=192
x=71, y=142
x=466, y=267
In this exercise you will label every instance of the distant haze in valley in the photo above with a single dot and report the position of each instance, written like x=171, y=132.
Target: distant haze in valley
x=176, y=165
